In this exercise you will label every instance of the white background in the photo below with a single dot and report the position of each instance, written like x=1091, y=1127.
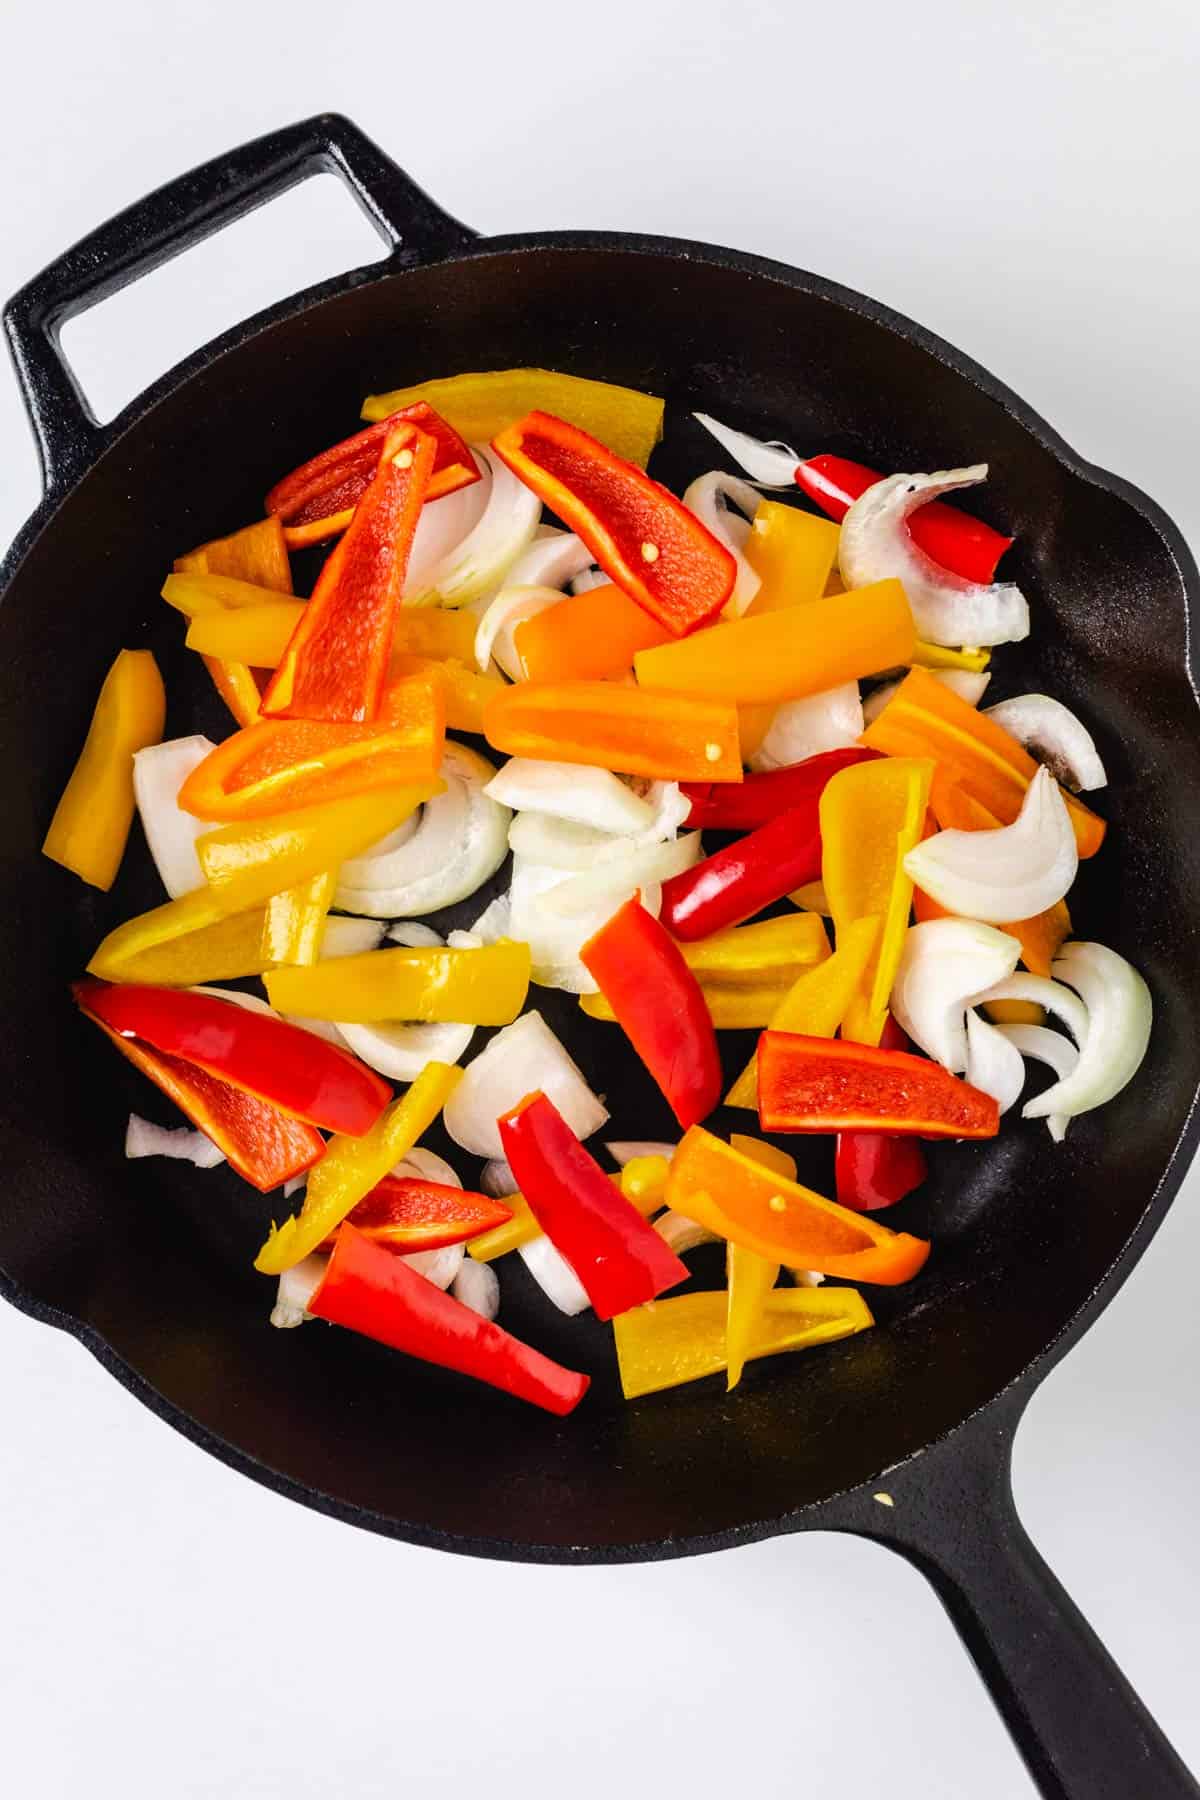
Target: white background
x=1021, y=175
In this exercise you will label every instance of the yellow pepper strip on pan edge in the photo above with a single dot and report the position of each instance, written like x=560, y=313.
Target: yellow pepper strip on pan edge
x=91, y=822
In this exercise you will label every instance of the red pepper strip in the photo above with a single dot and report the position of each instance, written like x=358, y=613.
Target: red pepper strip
x=658, y=1002
x=642, y=536
x=367, y=1289
x=735, y=883
x=823, y=1084
x=951, y=538
x=283, y=1064
x=336, y=663
x=264, y=1145
x=316, y=500
x=406, y=1213
x=872, y=1168
x=741, y=805
x=620, y=1260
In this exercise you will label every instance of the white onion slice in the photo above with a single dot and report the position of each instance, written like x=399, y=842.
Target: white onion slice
x=1066, y=1007
x=625, y=1150
x=555, y=939
x=322, y=1028
x=875, y=544
x=494, y=922
x=400, y=1051
x=803, y=728
x=559, y=844
x=180, y=1143
x=497, y=1179
x=294, y=1185
x=494, y=641
x=414, y=935
x=484, y=556
x=460, y=842
x=608, y=881
x=552, y=560
x=520, y=1058
x=441, y=1267
x=770, y=464
x=1012, y=873
x=159, y=772
x=682, y=1234
x=709, y=497
x=945, y=965
x=554, y=1275
x=1051, y=732
x=297, y=1286
x=571, y=791
x=993, y=1063
x=1120, y=1013
x=477, y=1286
x=1048, y=1047
x=807, y=1277
x=442, y=528
x=350, y=937
x=588, y=579
x=966, y=683
x=249, y=1002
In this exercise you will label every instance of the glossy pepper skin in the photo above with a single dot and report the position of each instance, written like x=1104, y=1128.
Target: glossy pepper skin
x=483, y=986
x=368, y=1290
x=952, y=538
x=735, y=883
x=91, y=822
x=872, y=1168
x=757, y=799
x=282, y=1064
x=406, y=1213
x=593, y=636
x=620, y=1260
x=666, y=736
x=640, y=534
x=819, y=1084
x=256, y=554
x=685, y=1338
x=659, y=1005
x=482, y=403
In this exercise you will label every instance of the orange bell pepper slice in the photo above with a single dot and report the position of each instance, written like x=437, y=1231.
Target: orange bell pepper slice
x=926, y=718
x=667, y=736
x=256, y=554
x=587, y=637
x=792, y=553
x=749, y=1204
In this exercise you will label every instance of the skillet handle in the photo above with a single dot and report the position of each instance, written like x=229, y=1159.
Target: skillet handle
x=1082, y=1730
x=175, y=216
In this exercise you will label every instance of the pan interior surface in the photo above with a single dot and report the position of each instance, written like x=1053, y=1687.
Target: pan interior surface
x=153, y=1257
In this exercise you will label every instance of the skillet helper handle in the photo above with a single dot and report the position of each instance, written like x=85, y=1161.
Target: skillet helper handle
x=1081, y=1728
x=170, y=220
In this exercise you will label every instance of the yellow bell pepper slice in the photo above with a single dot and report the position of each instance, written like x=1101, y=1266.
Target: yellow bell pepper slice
x=196, y=595
x=184, y=944
x=675, y=1341
x=257, y=635
x=91, y=822
x=792, y=553
x=872, y=815
x=294, y=928
x=750, y=1277
x=256, y=554
x=465, y=691
x=480, y=405
x=352, y=1166
x=742, y=1008
x=484, y=986
x=522, y=1228
x=811, y=898
x=759, y=954
x=936, y=656
x=1015, y=1012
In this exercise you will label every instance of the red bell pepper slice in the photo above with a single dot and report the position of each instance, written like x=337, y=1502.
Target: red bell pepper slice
x=620, y=1260
x=951, y=538
x=407, y=1213
x=285, y=1065
x=735, y=883
x=873, y=1168
x=642, y=536
x=742, y=805
x=826, y=1084
x=367, y=1289
x=658, y=1002
x=264, y=1145
x=336, y=663
x=315, y=501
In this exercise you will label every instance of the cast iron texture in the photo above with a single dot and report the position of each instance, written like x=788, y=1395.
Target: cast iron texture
x=148, y=1264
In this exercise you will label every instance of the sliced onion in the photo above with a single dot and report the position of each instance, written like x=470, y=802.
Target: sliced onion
x=571, y=791
x=993, y=1063
x=683, y=1234
x=494, y=922
x=459, y=843
x=947, y=964
x=494, y=641
x=588, y=579
x=463, y=940
x=442, y=529
x=1058, y=1000
x=297, y=1286
x=497, y=1179
x=1051, y=732
x=294, y=1185
x=322, y=1028
x=159, y=772
x=520, y=1059
x=770, y=464
x=968, y=685
x=477, y=1285
x=615, y=881
x=1012, y=873
x=803, y=728
x=249, y=1002
x=350, y=937
x=1048, y=1047
x=627, y=1150
x=400, y=1051
x=875, y=544
x=181, y=1143
x=556, y=939
x=1120, y=1013
x=441, y=1267
x=483, y=558
x=414, y=935
x=554, y=1275
x=807, y=1277
x=559, y=844
x=709, y=497
x=552, y=560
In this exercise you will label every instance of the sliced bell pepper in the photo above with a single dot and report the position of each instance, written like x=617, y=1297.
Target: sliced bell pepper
x=952, y=538
x=91, y=822
x=620, y=1260
x=658, y=1003
x=754, y=722
x=352, y=1166
x=480, y=405
x=819, y=1084
x=735, y=883
x=406, y=1214
x=337, y=661
x=184, y=943
x=749, y=1277
x=368, y=1290
x=926, y=718
x=294, y=927
x=748, y=1204
x=593, y=636
x=792, y=553
x=872, y=1168
x=258, y=635
x=1016, y=1012
x=199, y=596
x=871, y=816
x=937, y=656
x=744, y=974
x=665, y=736
x=317, y=500
x=644, y=539
x=484, y=986
x=286, y=1066
x=238, y=688
x=757, y=799
x=264, y=1145
x=785, y=655
x=255, y=554
x=684, y=1339
x=743, y=1008
x=466, y=692
x=523, y=1227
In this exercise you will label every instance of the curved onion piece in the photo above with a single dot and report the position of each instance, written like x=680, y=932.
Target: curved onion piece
x=1049, y=1047
x=494, y=921
x=627, y=1150
x=497, y=1179
x=1119, y=1016
x=771, y=465
x=944, y=966
x=159, y=772
x=968, y=685
x=554, y=1275
x=555, y=939
x=587, y=579
x=481, y=560
x=477, y=1285
x=561, y=845
x=803, y=728
x=552, y=560
x=948, y=609
x=180, y=1143
x=426, y=1165
x=572, y=791
x=460, y=841
x=415, y=936
x=442, y=529
x=251, y=1002
x=617, y=880
x=708, y=497
x=439, y=1266
x=1008, y=874
x=494, y=641
x=1065, y=1006
x=297, y=1286
x=520, y=1058
x=683, y=1234
x=1051, y=732
x=401, y=1051
x=350, y=937
x=993, y=1064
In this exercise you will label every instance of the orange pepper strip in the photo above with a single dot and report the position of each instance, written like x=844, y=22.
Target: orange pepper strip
x=926, y=718
x=792, y=553
x=587, y=637
x=784, y=655
x=754, y=1206
x=256, y=554
x=627, y=730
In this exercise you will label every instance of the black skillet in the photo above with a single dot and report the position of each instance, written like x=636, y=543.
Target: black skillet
x=902, y=1435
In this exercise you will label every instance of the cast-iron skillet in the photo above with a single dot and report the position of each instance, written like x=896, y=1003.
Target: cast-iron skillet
x=902, y=1434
